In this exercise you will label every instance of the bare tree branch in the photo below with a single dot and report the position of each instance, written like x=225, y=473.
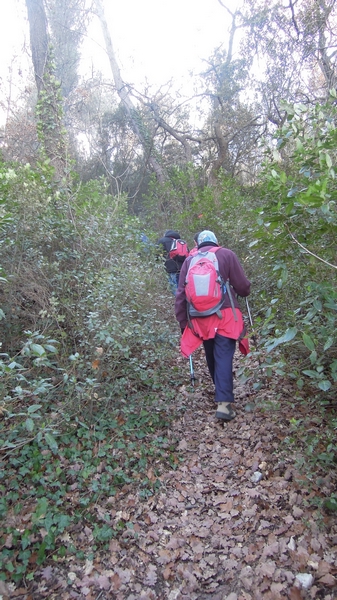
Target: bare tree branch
x=291, y=6
x=309, y=252
x=123, y=91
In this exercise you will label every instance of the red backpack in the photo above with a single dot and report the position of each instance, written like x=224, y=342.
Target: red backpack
x=204, y=287
x=178, y=248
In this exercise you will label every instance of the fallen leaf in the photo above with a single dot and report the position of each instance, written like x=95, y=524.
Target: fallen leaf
x=328, y=580
x=151, y=575
x=103, y=582
x=183, y=445
x=47, y=573
x=295, y=594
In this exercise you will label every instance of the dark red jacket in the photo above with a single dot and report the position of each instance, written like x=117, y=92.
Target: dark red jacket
x=229, y=267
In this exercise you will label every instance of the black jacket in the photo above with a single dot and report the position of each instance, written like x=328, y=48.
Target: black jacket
x=171, y=265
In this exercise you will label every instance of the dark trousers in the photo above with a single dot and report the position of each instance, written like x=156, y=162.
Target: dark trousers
x=219, y=357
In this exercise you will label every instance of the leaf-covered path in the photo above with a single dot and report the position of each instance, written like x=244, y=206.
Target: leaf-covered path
x=233, y=521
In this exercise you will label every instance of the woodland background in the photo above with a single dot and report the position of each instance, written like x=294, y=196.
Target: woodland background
x=88, y=336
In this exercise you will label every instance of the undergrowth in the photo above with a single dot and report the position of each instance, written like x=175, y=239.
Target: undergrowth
x=85, y=366
x=52, y=488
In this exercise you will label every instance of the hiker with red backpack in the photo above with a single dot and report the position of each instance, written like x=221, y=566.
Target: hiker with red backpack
x=175, y=251
x=208, y=312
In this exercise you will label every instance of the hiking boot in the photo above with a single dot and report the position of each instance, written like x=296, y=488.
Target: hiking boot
x=225, y=411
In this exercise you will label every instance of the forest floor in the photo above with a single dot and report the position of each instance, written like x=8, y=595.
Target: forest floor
x=235, y=520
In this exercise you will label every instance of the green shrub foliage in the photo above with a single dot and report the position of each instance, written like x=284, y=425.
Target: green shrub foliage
x=86, y=343
x=296, y=243
x=80, y=305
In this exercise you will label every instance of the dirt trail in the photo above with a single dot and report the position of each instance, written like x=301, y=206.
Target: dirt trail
x=215, y=531
x=233, y=521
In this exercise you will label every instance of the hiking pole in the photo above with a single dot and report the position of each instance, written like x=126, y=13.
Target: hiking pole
x=252, y=326
x=251, y=323
x=192, y=371
x=249, y=314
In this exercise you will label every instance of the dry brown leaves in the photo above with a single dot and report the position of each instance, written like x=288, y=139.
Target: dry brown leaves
x=211, y=532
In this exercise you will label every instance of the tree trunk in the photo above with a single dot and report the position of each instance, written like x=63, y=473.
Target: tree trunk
x=123, y=92
x=219, y=112
x=49, y=108
x=39, y=40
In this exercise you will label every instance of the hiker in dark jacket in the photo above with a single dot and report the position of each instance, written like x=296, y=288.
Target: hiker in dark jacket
x=218, y=335
x=172, y=266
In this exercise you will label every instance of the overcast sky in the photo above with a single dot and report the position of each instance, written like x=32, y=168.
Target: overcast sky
x=157, y=40
x=164, y=39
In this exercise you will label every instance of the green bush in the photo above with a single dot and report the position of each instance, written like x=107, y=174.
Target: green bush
x=87, y=343
x=295, y=247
